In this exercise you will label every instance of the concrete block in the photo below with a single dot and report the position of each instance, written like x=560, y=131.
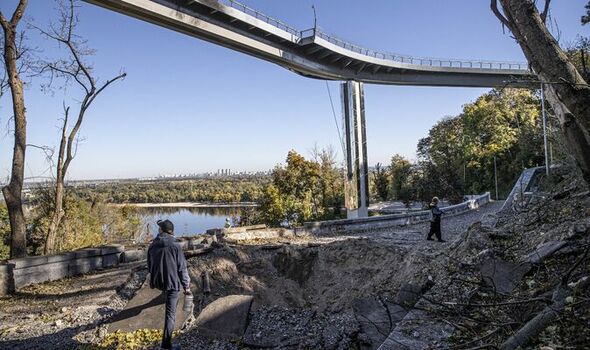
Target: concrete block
x=47, y=268
x=225, y=318
x=61, y=257
x=110, y=260
x=133, y=255
x=112, y=249
x=21, y=263
x=84, y=265
x=87, y=252
x=6, y=279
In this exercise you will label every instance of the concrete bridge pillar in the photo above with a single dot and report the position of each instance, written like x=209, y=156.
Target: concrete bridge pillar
x=356, y=182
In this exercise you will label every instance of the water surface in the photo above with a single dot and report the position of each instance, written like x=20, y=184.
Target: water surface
x=187, y=221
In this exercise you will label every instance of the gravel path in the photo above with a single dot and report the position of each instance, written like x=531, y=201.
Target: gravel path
x=411, y=235
x=65, y=313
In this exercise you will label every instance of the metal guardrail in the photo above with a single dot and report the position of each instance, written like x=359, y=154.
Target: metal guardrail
x=421, y=61
x=261, y=16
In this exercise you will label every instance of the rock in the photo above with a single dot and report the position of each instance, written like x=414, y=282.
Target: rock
x=373, y=318
x=409, y=294
x=503, y=276
x=418, y=330
x=225, y=318
x=58, y=323
x=146, y=311
x=544, y=251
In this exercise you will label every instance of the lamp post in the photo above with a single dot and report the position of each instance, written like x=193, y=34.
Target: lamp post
x=315, y=19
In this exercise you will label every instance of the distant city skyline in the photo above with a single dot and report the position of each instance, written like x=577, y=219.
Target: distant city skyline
x=188, y=106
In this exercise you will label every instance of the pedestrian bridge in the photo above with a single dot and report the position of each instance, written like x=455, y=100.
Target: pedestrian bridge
x=316, y=54
x=313, y=53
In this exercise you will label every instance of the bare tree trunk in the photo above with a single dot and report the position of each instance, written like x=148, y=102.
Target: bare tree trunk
x=576, y=137
x=569, y=92
x=58, y=212
x=77, y=70
x=13, y=191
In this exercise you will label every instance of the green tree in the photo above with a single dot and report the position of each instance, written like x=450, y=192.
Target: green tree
x=586, y=18
x=400, y=173
x=4, y=232
x=303, y=190
x=457, y=156
x=381, y=182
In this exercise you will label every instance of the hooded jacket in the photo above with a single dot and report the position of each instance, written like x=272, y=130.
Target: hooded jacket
x=167, y=264
x=435, y=213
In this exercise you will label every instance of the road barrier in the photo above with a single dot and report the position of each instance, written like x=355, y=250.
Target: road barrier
x=333, y=227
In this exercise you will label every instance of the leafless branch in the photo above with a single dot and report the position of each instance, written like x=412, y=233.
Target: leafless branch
x=568, y=274
x=545, y=10
x=496, y=11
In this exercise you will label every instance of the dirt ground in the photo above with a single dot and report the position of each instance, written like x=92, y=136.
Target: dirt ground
x=305, y=286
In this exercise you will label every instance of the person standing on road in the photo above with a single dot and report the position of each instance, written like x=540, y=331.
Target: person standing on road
x=168, y=273
x=435, y=216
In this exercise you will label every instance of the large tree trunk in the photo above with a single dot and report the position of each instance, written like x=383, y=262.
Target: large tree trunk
x=576, y=137
x=569, y=92
x=13, y=191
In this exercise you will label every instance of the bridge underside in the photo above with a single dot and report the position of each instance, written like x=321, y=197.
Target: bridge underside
x=312, y=53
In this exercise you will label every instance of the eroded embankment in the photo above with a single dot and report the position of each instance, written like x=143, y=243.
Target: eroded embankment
x=325, y=278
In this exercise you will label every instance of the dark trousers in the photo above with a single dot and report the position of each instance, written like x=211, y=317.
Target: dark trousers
x=171, y=301
x=435, y=229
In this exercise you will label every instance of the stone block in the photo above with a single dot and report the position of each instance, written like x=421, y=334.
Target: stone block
x=56, y=258
x=133, y=255
x=40, y=274
x=544, y=251
x=110, y=260
x=146, y=310
x=112, y=249
x=87, y=252
x=373, y=318
x=503, y=276
x=84, y=265
x=21, y=263
x=225, y=318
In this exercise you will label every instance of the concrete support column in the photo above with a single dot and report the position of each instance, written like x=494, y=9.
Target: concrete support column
x=356, y=182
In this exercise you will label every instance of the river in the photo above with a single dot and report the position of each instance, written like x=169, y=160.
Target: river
x=187, y=221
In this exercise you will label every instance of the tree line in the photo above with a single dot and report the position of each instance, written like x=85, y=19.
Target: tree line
x=497, y=136
x=222, y=190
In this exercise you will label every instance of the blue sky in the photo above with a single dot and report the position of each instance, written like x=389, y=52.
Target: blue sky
x=190, y=106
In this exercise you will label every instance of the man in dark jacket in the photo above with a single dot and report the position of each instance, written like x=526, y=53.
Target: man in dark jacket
x=435, y=215
x=168, y=273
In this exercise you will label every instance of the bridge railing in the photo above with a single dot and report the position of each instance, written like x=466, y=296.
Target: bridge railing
x=422, y=61
x=261, y=16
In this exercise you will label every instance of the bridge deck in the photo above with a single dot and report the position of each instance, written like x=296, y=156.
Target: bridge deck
x=312, y=52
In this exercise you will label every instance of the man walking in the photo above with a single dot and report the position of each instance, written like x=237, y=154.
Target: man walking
x=168, y=273
x=435, y=215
